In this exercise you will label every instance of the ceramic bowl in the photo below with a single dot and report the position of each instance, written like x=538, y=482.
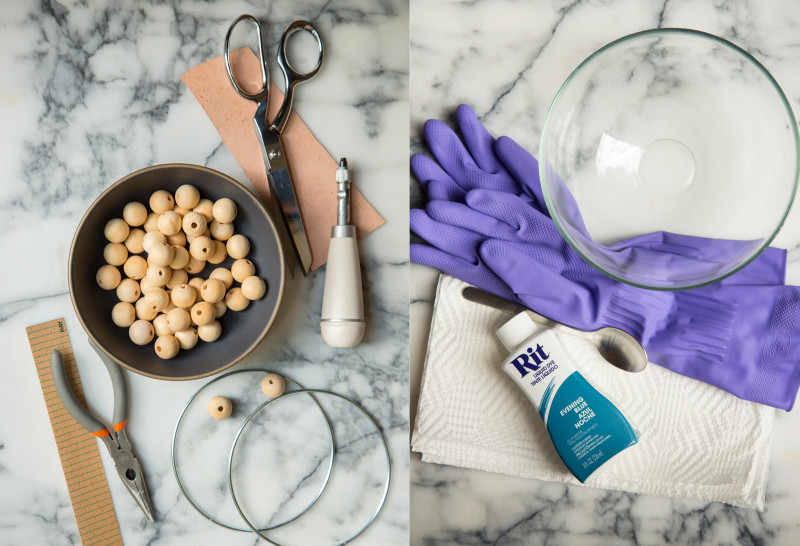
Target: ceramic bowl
x=241, y=331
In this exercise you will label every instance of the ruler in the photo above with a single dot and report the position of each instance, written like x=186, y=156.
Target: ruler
x=77, y=448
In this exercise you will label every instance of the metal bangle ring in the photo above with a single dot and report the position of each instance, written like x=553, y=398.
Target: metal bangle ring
x=208, y=516
x=382, y=500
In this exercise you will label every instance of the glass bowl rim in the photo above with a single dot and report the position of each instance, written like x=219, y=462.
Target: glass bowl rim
x=668, y=32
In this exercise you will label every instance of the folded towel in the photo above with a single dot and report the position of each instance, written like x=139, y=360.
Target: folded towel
x=697, y=441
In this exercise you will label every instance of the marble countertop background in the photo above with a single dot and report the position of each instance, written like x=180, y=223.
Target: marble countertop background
x=91, y=91
x=507, y=60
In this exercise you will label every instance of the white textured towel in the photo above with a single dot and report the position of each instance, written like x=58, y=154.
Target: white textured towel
x=697, y=441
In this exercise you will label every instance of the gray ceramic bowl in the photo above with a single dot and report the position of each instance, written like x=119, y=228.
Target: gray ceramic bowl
x=241, y=331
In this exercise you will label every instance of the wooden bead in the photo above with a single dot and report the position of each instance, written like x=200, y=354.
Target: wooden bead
x=169, y=222
x=161, y=201
x=224, y=210
x=206, y=208
x=242, y=268
x=135, y=241
x=273, y=385
x=151, y=224
x=201, y=248
x=170, y=306
x=161, y=326
x=115, y=254
x=187, y=196
x=220, y=308
x=135, y=267
x=141, y=332
x=179, y=276
x=179, y=239
x=160, y=254
x=197, y=284
x=151, y=238
x=134, y=214
x=212, y=290
x=144, y=311
x=254, y=288
x=238, y=246
x=183, y=296
x=116, y=230
x=123, y=314
x=178, y=319
x=195, y=266
x=206, y=233
x=235, y=300
x=180, y=258
x=219, y=254
x=128, y=290
x=187, y=338
x=221, y=232
x=202, y=313
x=210, y=332
x=145, y=285
x=158, y=275
x=108, y=277
x=157, y=299
x=181, y=211
x=223, y=274
x=220, y=408
x=167, y=347
x=194, y=224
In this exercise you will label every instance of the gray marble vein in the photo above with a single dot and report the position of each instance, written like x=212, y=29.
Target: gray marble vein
x=91, y=91
x=507, y=60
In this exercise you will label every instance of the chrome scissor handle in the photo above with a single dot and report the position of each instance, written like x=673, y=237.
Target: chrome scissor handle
x=291, y=76
x=263, y=93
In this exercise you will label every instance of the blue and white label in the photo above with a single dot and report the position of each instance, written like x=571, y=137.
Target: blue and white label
x=585, y=427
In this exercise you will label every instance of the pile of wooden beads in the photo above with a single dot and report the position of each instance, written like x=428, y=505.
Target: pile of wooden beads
x=161, y=252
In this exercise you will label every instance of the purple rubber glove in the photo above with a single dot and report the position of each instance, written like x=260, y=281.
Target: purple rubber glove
x=735, y=337
x=461, y=166
x=714, y=334
x=459, y=228
x=502, y=165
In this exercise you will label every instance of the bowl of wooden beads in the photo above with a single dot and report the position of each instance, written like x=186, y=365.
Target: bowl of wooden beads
x=176, y=272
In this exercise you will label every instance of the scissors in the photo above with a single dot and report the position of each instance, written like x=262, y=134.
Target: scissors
x=269, y=133
x=128, y=467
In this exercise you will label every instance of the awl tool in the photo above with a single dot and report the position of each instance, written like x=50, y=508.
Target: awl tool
x=342, y=322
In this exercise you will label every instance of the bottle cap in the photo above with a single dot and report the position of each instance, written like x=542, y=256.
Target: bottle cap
x=517, y=330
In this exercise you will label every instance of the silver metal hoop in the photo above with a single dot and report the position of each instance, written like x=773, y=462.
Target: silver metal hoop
x=311, y=392
x=250, y=528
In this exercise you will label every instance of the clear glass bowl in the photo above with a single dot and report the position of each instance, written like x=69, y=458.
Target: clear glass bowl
x=669, y=159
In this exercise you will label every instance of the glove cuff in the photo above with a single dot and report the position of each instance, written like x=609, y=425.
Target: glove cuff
x=639, y=312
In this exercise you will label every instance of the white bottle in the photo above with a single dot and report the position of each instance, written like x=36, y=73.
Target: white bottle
x=586, y=428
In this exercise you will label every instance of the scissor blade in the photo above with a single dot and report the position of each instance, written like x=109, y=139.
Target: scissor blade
x=281, y=187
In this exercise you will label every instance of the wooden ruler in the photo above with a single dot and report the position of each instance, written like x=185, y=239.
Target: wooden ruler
x=77, y=448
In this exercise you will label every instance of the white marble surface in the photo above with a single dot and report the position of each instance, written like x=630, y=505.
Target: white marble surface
x=90, y=91
x=507, y=59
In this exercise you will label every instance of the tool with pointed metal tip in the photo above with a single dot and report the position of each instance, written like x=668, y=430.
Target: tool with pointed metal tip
x=617, y=347
x=128, y=467
x=342, y=322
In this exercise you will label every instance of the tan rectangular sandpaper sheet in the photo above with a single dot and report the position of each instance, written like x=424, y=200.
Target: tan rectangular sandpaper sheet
x=312, y=167
x=77, y=448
